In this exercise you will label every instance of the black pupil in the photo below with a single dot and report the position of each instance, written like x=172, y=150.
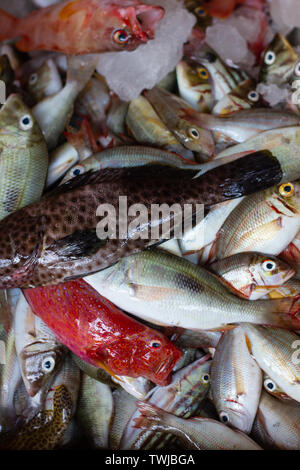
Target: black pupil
x=287, y=189
x=224, y=419
x=194, y=133
x=155, y=345
x=77, y=172
x=47, y=365
x=26, y=121
x=270, y=386
x=269, y=266
x=211, y=57
x=205, y=377
x=122, y=37
x=270, y=56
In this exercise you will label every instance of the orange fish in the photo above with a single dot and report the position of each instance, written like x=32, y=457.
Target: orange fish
x=84, y=26
x=220, y=8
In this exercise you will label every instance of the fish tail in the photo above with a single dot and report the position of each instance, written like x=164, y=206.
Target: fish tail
x=284, y=313
x=151, y=418
x=8, y=25
x=80, y=70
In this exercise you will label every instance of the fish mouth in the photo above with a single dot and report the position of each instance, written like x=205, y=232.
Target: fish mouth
x=148, y=17
x=162, y=375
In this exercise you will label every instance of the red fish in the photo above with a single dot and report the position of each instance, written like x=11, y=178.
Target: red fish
x=95, y=330
x=221, y=8
x=84, y=26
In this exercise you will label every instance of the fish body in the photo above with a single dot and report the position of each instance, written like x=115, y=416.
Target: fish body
x=205, y=232
x=277, y=424
x=131, y=156
x=59, y=238
x=283, y=143
x=194, y=86
x=46, y=428
x=275, y=351
x=45, y=81
x=244, y=124
x=39, y=352
x=124, y=407
x=167, y=290
x=99, y=333
x=195, y=433
x=265, y=222
x=24, y=157
x=182, y=397
x=95, y=411
x=84, y=26
x=224, y=79
x=148, y=129
x=291, y=254
x=181, y=120
x=236, y=381
x=61, y=160
x=244, y=96
x=252, y=275
x=279, y=61
x=54, y=112
x=93, y=102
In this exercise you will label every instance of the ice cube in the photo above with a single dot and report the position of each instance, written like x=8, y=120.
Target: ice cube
x=128, y=73
x=286, y=14
x=229, y=44
x=272, y=93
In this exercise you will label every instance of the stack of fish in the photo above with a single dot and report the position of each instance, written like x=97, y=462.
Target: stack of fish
x=137, y=342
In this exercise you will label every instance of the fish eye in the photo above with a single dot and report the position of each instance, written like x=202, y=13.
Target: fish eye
x=253, y=96
x=224, y=417
x=297, y=70
x=120, y=36
x=202, y=72
x=269, y=265
x=270, y=57
x=33, y=78
x=269, y=384
x=155, y=344
x=206, y=378
x=48, y=364
x=286, y=189
x=77, y=170
x=26, y=122
x=193, y=133
x=200, y=11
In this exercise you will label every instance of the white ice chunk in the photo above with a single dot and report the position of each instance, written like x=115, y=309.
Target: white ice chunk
x=272, y=93
x=286, y=14
x=128, y=73
x=229, y=44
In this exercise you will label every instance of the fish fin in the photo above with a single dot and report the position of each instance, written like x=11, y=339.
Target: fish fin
x=80, y=69
x=8, y=25
x=151, y=417
x=78, y=244
x=69, y=10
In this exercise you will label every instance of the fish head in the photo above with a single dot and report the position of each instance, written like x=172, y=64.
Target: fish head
x=194, y=137
x=271, y=387
x=279, y=61
x=267, y=270
x=131, y=26
x=196, y=7
x=235, y=415
x=40, y=363
x=6, y=71
x=287, y=198
x=18, y=127
x=148, y=354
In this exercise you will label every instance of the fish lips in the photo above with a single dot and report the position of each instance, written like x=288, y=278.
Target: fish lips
x=148, y=17
x=162, y=374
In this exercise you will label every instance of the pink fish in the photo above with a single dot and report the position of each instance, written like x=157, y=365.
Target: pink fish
x=84, y=26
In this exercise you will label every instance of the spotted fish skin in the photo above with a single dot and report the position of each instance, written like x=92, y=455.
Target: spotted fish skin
x=55, y=239
x=45, y=430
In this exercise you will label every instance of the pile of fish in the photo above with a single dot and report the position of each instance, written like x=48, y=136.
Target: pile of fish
x=147, y=342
